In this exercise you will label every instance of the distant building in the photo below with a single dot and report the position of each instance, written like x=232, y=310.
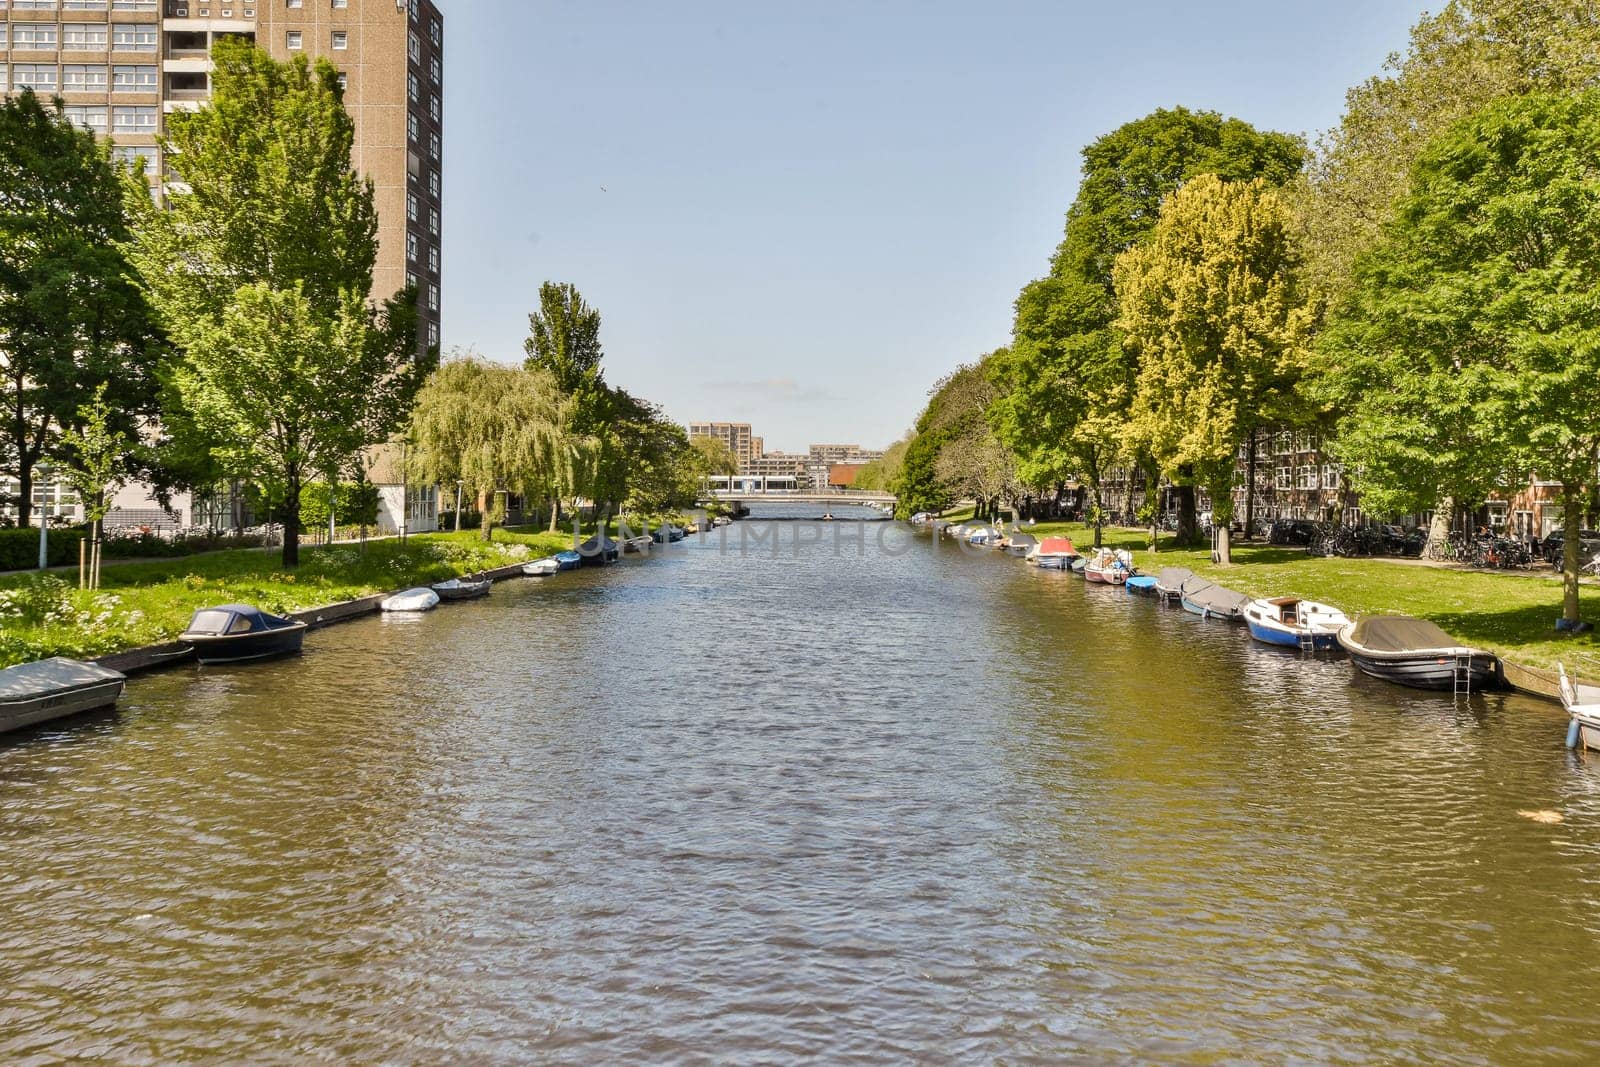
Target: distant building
x=820, y=460
x=843, y=475
x=744, y=445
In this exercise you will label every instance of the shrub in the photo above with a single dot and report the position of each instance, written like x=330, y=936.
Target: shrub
x=19, y=548
x=471, y=519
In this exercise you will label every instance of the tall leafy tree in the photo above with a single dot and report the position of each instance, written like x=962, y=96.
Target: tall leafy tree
x=260, y=265
x=71, y=321
x=564, y=341
x=1213, y=309
x=1480, y=296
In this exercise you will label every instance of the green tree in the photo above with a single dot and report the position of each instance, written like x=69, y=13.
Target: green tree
x=493, y=428
x=71, y=321
x=96, y=456
x=881, y=474
x=1481, y=294
x=955, y=417
x=1212, y=308
x=564, y=341
x=261, y=267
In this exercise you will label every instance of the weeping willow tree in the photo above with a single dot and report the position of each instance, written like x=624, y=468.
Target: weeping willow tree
x=492, y=428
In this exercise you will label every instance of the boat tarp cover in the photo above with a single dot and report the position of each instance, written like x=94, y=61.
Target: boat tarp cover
x=1022, y=540
x=1142, y=581
x=1173, y=577
x=1057, y=546
x=1400, y=633
x=27, y=681
x=597, y=543
x=1217, y=598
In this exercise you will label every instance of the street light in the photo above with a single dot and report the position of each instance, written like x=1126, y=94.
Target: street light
x=43, y=471
x=458, y=505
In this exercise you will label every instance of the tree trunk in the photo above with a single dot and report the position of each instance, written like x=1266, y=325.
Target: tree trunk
x=1187, y=527
x=96, y=553
x=1439, y=528
x=555, y=514
x=1250, y=489
x=486, y=521
x=1572, y=517
x=291, y=518
x=1225, y=543
x=1099, y=516
x=24, y=493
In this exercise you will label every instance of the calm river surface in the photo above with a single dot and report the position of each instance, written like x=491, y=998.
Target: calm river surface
x=923, y=807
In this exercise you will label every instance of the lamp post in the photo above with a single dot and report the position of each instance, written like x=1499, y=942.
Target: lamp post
x=458, y=505
x=43, y=471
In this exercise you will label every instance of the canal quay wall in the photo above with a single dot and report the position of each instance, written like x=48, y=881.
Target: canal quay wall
x=176, y=653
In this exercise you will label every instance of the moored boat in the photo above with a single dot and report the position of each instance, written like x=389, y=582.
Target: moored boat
x=410, y=600
x=1415, y=652
x=1019, y=544
x=460, y=589
x=1169, y=583
x=1108, y=567
x=32, y=693
x=1295, y=623
x=982, y=535
x=567, y=560
x=1054, y=553
x=1583, y=705
x=598, y=550
x=236, y=633
x=667, y=535
x=637, y=545
x=541, y=568
x=1141, y=585
x=1207, y=599
x=1079, y=566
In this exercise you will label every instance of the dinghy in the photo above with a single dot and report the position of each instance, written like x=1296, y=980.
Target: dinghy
x=1209, y=600
x=541, y=568
x=637, y=545
x=1079, y=566
x=1141, y=585
x=1415, y=652
x=1019, y=544
x=1294, y=623
x=236, y=633
x=410, y=600
x=31, y=693
x=1054, y=553
x=457, y=589
x=982, y=535
x=567, y=560
x=1582, y=703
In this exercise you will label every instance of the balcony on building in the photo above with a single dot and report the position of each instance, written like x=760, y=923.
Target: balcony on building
x=187, y=85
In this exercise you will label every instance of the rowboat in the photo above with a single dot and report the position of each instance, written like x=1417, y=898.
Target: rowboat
x=1415, y=652
x=637, y=545
x=410, y=600
x=1294, y=623
x=1212, y=601
x=541, y=568
x=1583, y=704
x=457, y=589
x=236, y=633
x=31, y=693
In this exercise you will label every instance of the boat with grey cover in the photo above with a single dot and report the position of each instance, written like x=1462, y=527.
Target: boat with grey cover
x=1209, y=600
x=31, y=693
x=1415, y=652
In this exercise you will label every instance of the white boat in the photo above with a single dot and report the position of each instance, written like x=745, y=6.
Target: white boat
x=541, y=568
x=1295, y=623
x=31, y=693
x=419, y=599
x=456, y=589
x=1583, y=704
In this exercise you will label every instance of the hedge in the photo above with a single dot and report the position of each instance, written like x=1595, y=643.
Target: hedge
x=19, y=548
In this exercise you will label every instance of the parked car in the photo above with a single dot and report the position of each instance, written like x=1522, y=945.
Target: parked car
x=1554, y=544
x=1398, y=541
x=1292, y=532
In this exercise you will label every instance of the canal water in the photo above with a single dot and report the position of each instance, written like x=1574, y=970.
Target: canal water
x=868, y=802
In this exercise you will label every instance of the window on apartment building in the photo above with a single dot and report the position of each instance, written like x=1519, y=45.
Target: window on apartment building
x=83, y=5
x=435, y=71
x=133, y=79
x=413, y=127
x=1283, y=478
x=411, y=247
x=83, y=78
x=436, y=31
x=433, y=184
x=35, y=36
x=1330, y=476
x=82, y=37
x=295, y=3
x=411, y=206
x=4, y=28
x=136, y=157
x=87, y=117
x=433, y=335
x=341, y=3
x=433, y=260
x=34, y=5
x=433, y=144
x=133, y=120
x=133, y=37
x=414, y=47
x=433, y=221
x=411, y=279
x=344, y=81
x=433, y=298
x=40, y=77
x=293, y=40
x=133, y=5
x=341, y=40
x=433, y=107
x=1308, y=477
x=413, y=87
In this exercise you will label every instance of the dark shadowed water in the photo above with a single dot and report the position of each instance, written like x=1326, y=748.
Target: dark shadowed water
x=917, y=807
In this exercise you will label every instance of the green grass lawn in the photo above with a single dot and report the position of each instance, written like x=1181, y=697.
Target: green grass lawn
x=1510, y=614
x=148, y=603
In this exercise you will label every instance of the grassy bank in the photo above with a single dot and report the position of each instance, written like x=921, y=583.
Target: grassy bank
x=1510, y=614
x=148, y=603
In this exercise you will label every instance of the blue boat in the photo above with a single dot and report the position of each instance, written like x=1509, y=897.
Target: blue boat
x=1141, y=585
x=1294, y=623
x=568, y=560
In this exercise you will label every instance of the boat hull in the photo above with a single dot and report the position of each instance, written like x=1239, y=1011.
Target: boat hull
x=464, y=591
x=1054, y=563
x=242, y=648
x=1106, y=577
x=1208, y=613
x=19, y=714
x=1140, y=585
x=1320, y=641
x=1428, y=670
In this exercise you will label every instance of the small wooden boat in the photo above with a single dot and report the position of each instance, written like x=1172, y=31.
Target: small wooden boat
x=1583, y=704
x=1108, y=567
x=236, y=633
x=1415, y=652
x=31, y=693
x=541, y=568
x=410, y=600
x=1169, y=583
x=1140, y=585
x=457, y=589
x=1079, y=566
x=637, y=545
x=1207, y=599
x=598, y=550
x=1294, y=623
x=1053, y=553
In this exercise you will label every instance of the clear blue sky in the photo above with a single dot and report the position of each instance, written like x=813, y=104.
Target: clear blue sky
x=799, y=216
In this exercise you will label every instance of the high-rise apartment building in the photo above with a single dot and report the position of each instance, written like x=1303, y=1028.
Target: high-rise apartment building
x=744, y=445
x=121, y=66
